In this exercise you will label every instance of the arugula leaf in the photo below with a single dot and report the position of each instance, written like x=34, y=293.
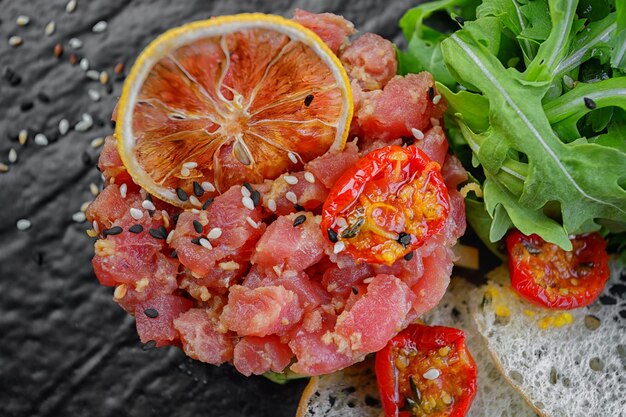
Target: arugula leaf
x=618, y=57
x=283, y=377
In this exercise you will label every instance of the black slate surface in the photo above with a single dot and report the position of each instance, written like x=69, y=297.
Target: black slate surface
x=66, y=349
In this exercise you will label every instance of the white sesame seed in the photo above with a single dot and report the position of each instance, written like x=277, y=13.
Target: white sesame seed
x=15, y=41
x=190, y=165
x=431, y=374
x=342, y=223
x=93, y=188
x=123, y=190
x=23, y=224
x=93, y=75
x=417, y=134
x=291, y=196
x=120, y=291
x=436, y=99
x=4, y=167
x=148, y=205
x=247, y=203
x=252, y=222
x=184, y=172
x=85, y=123
x=290, y=179
x=207, y=186
x=70, y=6
x=434, y=121
x=75, y=43
x=194, y=201
x=271, y=204
x=309, y=177
x=22, y=20
x=368, y=280
x=214, y=233
x=22, y=137
x=79, y=217
x=569, y=81
x=95, y=226
x=64, y=127
x=94, y=94
x=50, y=28
x=205, y=243
x=195, y=211
x=292, y=157
x=169, y=237
x=97, y=142
x=99, y=27
x=245, y=192
x=339, y=247
x=85, y=205
x=12, y=156
x=41, y=139
x=135, y=213
x=84, y=64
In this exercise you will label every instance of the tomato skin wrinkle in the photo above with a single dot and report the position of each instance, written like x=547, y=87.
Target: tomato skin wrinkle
x=405, y=361
x=389, y=203
x=548, y=276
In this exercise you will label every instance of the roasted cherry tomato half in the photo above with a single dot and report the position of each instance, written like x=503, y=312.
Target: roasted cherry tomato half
x=387, y=205
x=426, y=371
x=549, y=276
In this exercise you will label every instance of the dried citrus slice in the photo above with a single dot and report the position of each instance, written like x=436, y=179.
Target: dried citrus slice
x=229, y=100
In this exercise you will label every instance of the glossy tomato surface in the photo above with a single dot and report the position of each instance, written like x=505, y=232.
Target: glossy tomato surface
x=426, y=371
x=549, y=276
x=387, y=205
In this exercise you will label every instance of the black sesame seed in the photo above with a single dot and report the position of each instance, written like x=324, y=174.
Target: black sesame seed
x=174, y=254
x=332, y=235
x=197, y=226
x=298, y=207
x=355, y=291
x=308, y=100
x=156, y=233
x=409, y=256
x=460, y=20
x=431, y=93
x=175, y=218
x=151, y=312
x=136, y=228
x=196, y=241
x=26, y=106
x=255, y=196
x=197, y=189
x=299, y=220
x=38, y=257
x=589, y=103
x=149, y=198
x=43, y=97
x=409, y=140
x=182, y=195
x=248, y=186
x=109, y=89
x=207, y=204
x=150, y=344
x=404, y=239
x=163, y=231
x=12, y=78
x=115, y=230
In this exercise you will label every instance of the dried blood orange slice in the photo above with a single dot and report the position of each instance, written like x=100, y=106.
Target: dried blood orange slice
x=229, y=100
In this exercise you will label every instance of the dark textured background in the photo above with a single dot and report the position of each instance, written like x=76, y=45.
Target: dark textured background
x=66, y=349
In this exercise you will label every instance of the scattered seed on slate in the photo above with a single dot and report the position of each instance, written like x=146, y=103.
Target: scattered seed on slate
x=41, y=139
x=182, y=195
x=298, y=207
x=26, y=106
x=22, y=20
x=431, y=93
x=75, y=43
x=12, y=156
x=196, y=241
x=119, y=68
x=135, y=228
x=197, y=226
x=151, y=313
x=84, y=64
x=79, y=217
x=332, y=235
x=64, y=126
x=58, y=50
x=460, y=20
x=104, y=78
x=404, y=239
x=97, y=142
x=43, y=97
x=207, y=204
x=308, y=100
x=112, y=231
x=93, y=188
x=15, y=41
x=589, y=103
x=99, y=27
x=94, y=94
x=156, y=233
x=11, y=76
x=73, y=59
x=255, y=196
x=150, y=344
x=50, y=28
x=109, y=89
x=93, y=75
x=23, y=224
x=409, y=256
x=38, y=257
x=4, y=167
x=299, y=220
x=197, y=189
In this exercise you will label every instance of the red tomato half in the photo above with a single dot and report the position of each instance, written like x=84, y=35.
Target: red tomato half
x=426, y=371
x=387, y=205
x=548, y=276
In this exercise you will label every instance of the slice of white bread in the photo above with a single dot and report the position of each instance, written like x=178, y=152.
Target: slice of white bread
x=353, y=391
x=576, y=370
